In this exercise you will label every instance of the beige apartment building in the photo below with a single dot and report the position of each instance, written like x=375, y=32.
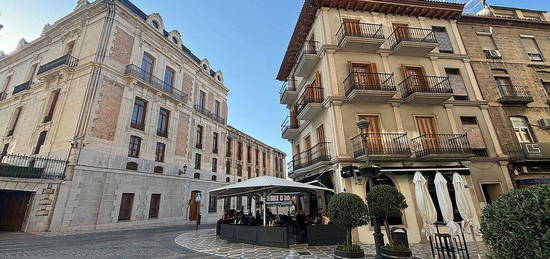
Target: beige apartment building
x=108, y=120
x=402, y=66
x=509, y=50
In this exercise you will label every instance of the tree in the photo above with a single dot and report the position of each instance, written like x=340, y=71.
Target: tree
x=517, y=225
x=385, y=201
x=348, y=210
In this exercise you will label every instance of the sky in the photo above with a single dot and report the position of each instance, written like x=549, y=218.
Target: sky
x=245, y=39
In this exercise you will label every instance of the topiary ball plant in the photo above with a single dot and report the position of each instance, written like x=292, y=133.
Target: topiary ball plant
x=348, y=210
x=517, y=225
x=385, y=201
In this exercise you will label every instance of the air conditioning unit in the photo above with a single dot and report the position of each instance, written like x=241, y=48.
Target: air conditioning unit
x=492, y=53
x=544, y=123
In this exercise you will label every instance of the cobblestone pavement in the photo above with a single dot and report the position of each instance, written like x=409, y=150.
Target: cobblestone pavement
x=205, y=241
x=155, y=242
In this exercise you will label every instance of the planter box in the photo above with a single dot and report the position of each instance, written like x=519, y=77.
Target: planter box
x=323, y=235
x=386, y=253
x=342, y=254
x=255, y=235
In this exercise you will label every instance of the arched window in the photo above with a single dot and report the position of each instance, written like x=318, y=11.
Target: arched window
x=218, y=78
x=382, y=179
x=214, y=178
x=155, y=24
x=158, y=169
x=205, y=66
x=174, y=40
x=196, y=175
x=227, y=179
x=132, y=166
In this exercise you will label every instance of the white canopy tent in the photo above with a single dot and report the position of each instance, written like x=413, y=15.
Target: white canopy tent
x=264, y=186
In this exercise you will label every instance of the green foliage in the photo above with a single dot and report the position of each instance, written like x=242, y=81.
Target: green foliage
x=517, y=225
x=398, y=247
x=385, y=201
x=348, y=209
x=352, y=248
x=367, y=164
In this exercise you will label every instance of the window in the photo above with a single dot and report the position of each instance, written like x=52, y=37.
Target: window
x=155, y=24
x=197, y=176
x=382, y=179
x=198, y=161
x=134, y=146
x=159, y=152
x=263, y=160
x=239, y=151
x=132, y=166
x=226, y=202
x=248, y=154
x=168, y=79
x=257, y=156
x=5, y=149
x=228, y=167
x=239, y=203
x=147, y=65
x=40, y=142
x=199, y=137
x=457, y=83
x=154, y=206
x=217, y=108
x=158, y=169
x=522, y=129
x=533, y=52
x=212, y=203
x=162, y=125
x=491, y=192
x=214, y=178
x=473, y=134
x=32, y=71
x=174, y=40
x=7, y=83
x=488, y=46
x=546, y=86
x=228, y=143
x=202, y=99
x=14, y=120
x=442, y=37
x=227, y=179
x=214, y=165
x=138, y=114
x=126, y=203
x=249, y=170
x=239, y=170
x=215, y=143
x=69, y=48
x=51, y=109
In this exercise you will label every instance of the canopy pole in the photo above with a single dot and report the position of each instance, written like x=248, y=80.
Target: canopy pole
x=265, y=201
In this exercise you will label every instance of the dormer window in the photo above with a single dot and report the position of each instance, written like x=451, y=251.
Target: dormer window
x=155, y=24
x=174, y=40
x=204, y=66
x=218, y=78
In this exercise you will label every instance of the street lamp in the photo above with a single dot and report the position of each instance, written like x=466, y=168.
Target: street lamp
x=363, y=126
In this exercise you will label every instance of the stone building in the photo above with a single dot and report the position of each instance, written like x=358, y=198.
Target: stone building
x=403, y=67
x=108, y=120
x=509, y=50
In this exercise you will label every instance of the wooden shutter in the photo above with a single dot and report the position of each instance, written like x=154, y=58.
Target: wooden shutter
x=154, y=206
x=426, y=129
x=352, y=27
x=374, y=138
x=126, y=202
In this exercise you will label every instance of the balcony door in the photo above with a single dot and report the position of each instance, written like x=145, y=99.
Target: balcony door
x=364, y=75
x=374, y=138
x=321, y=140
x=307, y=145
x=417, y=79
x=504, y=86
x=427, y=131
x=352, y=27
x=401, y=32
x=147, y=64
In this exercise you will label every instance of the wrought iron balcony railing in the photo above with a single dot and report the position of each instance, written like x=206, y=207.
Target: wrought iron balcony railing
x=67, y=60
x=369, y=81
x=532, y=151
x=514, y=94
x=217, y=118
x=155, y=82
x=411, y=34
x=380, y=144
x=289, y=85
x=311, y=94
x=441, y=144
x=289, y=123
x=425, y=84
x=308, y=47
x=314, y=155
x=201, y=109
x=362, y=30
x=26, y=166
x=22, y=87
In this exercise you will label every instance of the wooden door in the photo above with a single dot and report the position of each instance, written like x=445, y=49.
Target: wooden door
x=321, y=140
x=401, y=31
x=427, y=131
x=307, y=144
x=352, y=27
x=374, y=136
x=14, y=206
x=417, y=78
x=193, y=206
x=364, y=75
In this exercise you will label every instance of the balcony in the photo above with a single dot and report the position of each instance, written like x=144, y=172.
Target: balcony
x=405, y=41
x=447, y=147
x=202, y=110
x=369, y=87
x=290, y=128
x=360, y=37
x=148, y=79
x=22, y=87
x=217, y=117
x=307, y=58
x=288, y=92
x=309, y=102
x=510, y=94
x=380, y=146
x=426, y=89
x=54, y=67
x=25, y=166
x=317, y=155
x=529, y=152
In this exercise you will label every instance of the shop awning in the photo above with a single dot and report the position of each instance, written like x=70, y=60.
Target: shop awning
x=426, y=170
x=316, y=178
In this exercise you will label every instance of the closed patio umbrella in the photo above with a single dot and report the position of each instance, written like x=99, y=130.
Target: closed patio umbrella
x=425, y=204
x=445, y=204
x=463, y=203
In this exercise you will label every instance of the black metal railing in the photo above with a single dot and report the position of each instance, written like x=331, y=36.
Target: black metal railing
x=67, y=60
x=314, y=155
x=155, y=82
x=380, y=144
x=532, y=151
x=362, y=30
x=514, y=94
x=217, y=118
x=311, y=94
x=440, y=144
x=201, y=109
x=308, y=47
x=27, y=166
x=289, y=85
x=369, y=81
x=3, y=95
x=289, y=123
x=22, y=87
x=425, y=84
x=411, y=34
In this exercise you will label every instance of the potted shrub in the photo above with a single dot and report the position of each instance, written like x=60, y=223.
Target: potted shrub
x=516, y=224
x=386, y=201
x=368, y=169
x=350, y=211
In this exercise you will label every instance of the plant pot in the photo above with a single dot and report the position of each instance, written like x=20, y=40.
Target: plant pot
x=369, y=171
x=387, y=253
x=342, y=254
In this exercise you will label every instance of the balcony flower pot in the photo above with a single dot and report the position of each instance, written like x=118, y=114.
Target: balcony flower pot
x=368, y=170
x=395, y=252
x=345, y=251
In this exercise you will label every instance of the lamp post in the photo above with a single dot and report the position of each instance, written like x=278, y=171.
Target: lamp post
x=363, y=126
